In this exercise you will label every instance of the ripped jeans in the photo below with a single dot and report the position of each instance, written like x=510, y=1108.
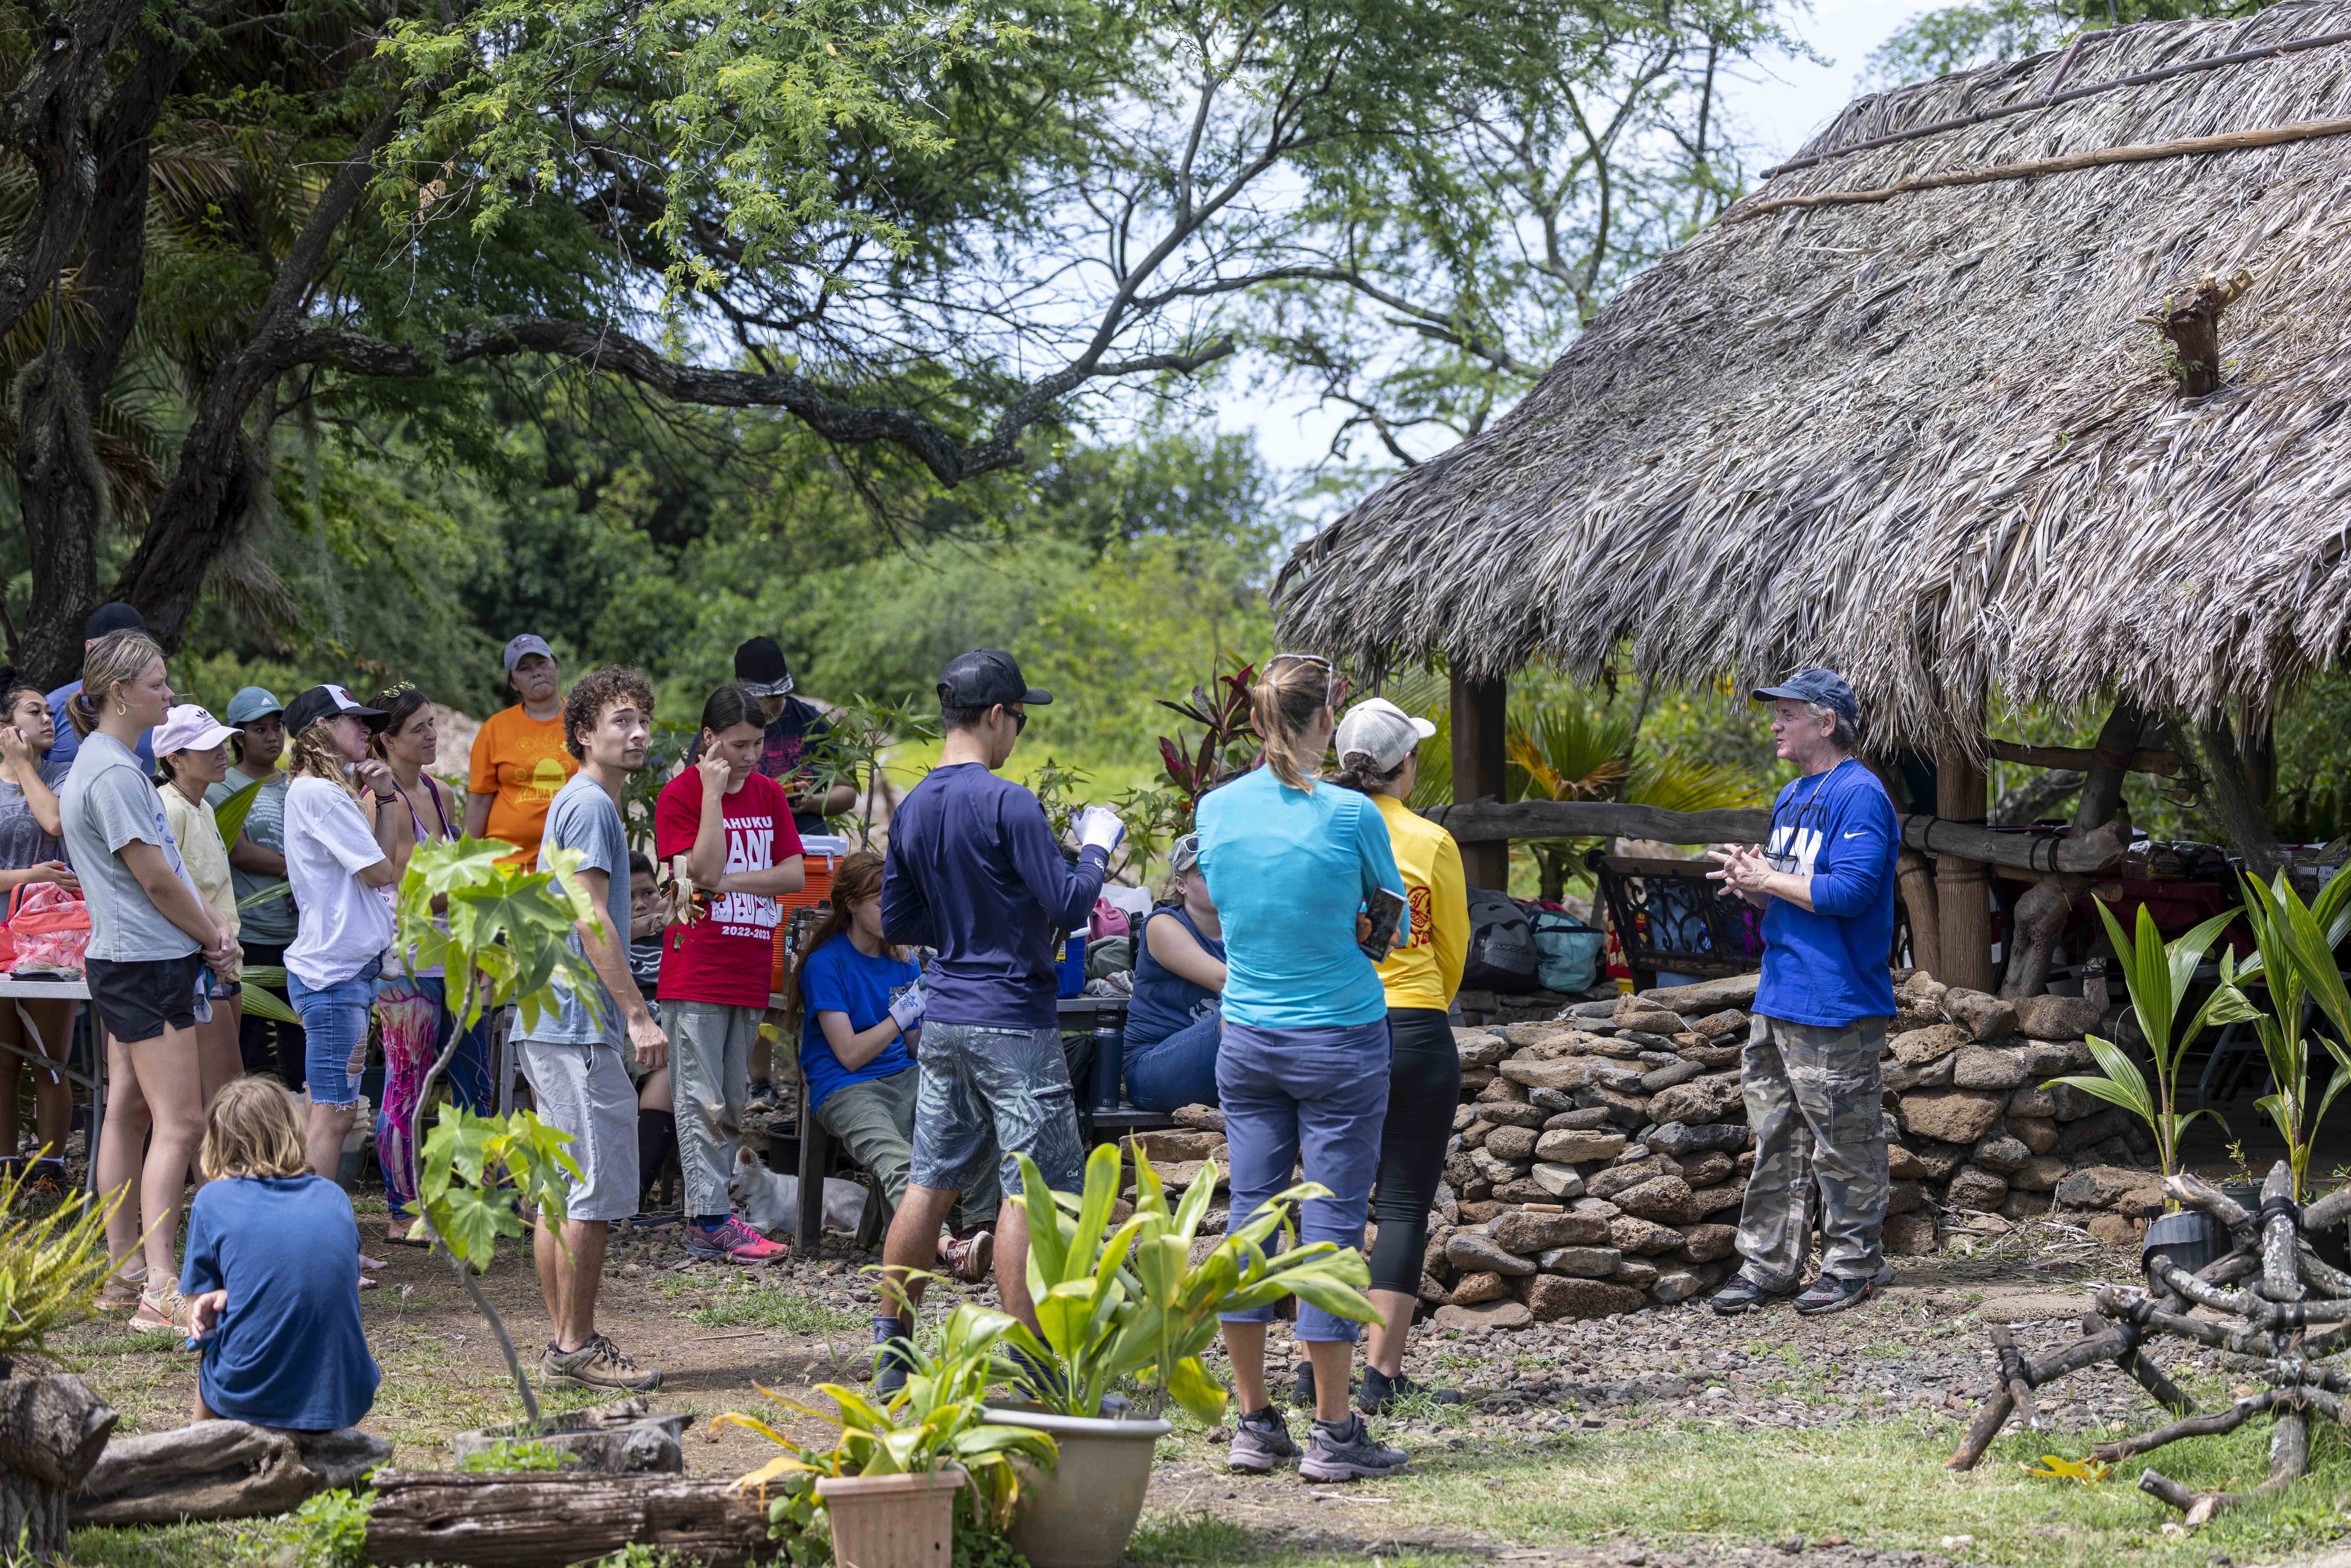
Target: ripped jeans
x=412, y=1015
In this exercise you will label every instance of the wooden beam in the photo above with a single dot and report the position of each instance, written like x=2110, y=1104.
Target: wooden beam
x=2081, y=758
x=1488, y=821
x=1962, y=898
x=1480, y=720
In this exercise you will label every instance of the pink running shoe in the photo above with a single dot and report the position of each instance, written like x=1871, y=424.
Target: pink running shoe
x=734, y=1242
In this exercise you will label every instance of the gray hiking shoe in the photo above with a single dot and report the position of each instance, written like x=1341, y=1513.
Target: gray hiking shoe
x=1260, y=1442
x=599, y=1363
x=1347, y=1453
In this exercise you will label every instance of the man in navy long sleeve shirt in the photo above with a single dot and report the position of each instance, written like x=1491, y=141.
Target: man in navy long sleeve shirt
x=976, y=872
x=1811, y=1074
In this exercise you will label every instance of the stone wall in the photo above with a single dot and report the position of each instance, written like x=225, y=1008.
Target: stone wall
x=1601, y=1154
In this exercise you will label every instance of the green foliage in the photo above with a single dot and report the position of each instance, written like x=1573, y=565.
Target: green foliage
x=516, y=1454
x=939, y=1420
x=474, y=1170
x=2157, y=975
x=330, y=1529
x=1984, y=32
x=1130, y=1303
x=2295, y=959
x=504, y=933
x=863, y=733
x=52, y=1266
x=262, y=1003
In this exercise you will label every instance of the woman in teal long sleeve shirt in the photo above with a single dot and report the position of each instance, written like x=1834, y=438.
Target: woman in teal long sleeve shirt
x=1303, y=1072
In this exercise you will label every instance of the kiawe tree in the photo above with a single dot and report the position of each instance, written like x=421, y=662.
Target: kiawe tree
x=925, y=230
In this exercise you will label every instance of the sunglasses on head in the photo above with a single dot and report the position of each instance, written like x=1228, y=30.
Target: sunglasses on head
x=1335, y=685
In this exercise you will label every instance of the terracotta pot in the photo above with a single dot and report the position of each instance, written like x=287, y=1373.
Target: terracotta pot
x=892, y=1521
x=1081, y=1515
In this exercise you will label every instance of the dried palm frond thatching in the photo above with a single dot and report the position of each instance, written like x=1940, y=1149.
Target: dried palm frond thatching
x=1925, y=439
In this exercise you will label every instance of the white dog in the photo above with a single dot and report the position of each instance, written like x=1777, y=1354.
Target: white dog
x=769, y=1201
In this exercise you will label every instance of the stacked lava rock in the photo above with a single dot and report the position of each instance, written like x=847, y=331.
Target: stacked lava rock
x=1599, y=1163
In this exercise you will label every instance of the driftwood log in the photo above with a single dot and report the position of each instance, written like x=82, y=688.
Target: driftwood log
x=52, y=1431
x=2292, y=1311
x=220, y=1469
x=620, y=1438
x=545, y=1519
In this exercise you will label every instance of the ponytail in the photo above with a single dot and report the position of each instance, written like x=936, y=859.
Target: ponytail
x=116, y=659
x=1282, y=705
x=1360, y=771
x=855, y=880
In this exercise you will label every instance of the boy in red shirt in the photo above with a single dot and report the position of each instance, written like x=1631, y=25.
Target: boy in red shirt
x=733, y=829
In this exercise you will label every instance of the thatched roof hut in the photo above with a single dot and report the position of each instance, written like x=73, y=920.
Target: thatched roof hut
x=1923, y=437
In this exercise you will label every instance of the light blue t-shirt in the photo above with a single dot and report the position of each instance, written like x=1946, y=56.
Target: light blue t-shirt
x=1290, y=872
x=110, y=801
x=1826, y=965
x=584, y=818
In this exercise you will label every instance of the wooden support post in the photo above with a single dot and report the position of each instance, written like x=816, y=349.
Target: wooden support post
x=1480, y=718
x=1962, y=893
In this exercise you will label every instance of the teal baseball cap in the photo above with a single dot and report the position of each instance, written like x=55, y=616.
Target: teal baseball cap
x=251, y=703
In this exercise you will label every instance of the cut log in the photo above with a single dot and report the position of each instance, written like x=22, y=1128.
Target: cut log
x=622, y=1437
x=52, y=1428
x=543, y=1521
x=219, y=1469
x=2194, y=329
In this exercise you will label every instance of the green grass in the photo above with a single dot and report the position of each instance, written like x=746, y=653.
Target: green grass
x=228, y=1544
x=746, y=1304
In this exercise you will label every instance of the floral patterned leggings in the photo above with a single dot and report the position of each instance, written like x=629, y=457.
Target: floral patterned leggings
x=414, y=1019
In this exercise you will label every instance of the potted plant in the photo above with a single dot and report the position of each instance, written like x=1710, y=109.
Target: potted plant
x=886, y=1487
x=1129, y=1303
x=2157, y=975
x=2294, y=960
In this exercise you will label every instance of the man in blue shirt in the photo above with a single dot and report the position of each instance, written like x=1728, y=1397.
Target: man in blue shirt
x=975, y=870
x=1811, y=1076
x=115, y=617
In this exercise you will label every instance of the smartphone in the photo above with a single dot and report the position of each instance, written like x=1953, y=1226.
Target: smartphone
x=1384, y=908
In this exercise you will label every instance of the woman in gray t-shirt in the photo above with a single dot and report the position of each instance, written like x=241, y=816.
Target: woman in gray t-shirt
x=30, y=854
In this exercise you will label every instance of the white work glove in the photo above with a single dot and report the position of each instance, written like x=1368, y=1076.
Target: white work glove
x=906, y=1013
x=1100, y=828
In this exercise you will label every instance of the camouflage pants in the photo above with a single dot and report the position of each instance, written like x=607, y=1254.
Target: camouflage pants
x=1814, y=1099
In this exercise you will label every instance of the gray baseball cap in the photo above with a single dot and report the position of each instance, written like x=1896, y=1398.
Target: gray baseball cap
x=529, y=642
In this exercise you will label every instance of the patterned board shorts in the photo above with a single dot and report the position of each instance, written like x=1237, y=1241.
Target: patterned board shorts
x=992, y=1094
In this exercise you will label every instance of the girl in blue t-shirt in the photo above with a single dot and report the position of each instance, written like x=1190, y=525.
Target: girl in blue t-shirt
x=857, y=1001
x=1177, y=1015
x=268, y=1274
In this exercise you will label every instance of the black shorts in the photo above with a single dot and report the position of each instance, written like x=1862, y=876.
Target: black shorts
x=138, y=1001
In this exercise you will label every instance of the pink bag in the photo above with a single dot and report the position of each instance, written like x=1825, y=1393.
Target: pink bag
x=1110, y=920
x=48, y=926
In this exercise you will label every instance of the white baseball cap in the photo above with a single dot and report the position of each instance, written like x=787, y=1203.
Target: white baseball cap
x=189, y=727
x=1381, y=731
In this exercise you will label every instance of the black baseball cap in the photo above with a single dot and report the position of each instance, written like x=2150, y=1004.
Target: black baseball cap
x=115, y=617
x=326, y=702
x=984, y=677
x=1825, y=687
x=760, y=668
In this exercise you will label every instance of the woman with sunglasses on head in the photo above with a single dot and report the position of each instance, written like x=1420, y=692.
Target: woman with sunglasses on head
x=1176, y=1014
x=256, y=863
x=1378, y=746
x=347, y=833
x=1303, y=1072
x=191, y=755
x=412, y=1002
x=30, y=854
x=151, y=936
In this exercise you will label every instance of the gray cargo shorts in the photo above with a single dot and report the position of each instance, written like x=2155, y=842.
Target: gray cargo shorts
x=583, y=1090
x=993, y=1094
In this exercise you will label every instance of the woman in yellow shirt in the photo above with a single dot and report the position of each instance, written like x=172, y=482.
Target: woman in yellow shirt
x=190, y=756
x=1376, y=743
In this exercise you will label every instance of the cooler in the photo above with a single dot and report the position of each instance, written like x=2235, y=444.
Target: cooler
x=818, y=855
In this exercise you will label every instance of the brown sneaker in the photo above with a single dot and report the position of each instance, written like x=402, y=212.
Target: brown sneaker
x=968, y=1257
x=599, y=1363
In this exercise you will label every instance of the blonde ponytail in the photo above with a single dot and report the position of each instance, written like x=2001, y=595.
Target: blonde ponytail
x=115, y=660
x=1282, y=705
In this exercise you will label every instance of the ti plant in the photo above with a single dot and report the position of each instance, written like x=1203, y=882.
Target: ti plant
x=1229, y=741
x=2157, y=975
x=2295, y=946
x=501, y=936
x=1129, y=1302
x=938, y=1420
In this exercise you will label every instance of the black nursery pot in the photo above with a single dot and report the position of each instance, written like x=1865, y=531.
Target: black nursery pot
x=2191, y=1238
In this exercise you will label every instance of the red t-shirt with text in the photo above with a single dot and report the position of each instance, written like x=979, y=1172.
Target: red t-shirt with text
x=727, y=955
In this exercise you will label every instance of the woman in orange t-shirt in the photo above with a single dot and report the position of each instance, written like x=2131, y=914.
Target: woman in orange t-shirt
x=519, y=760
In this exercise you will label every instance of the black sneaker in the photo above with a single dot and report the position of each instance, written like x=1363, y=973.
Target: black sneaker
x=894, y=1357
x=1260, y=1442
x=1381, y=1392
x=1744, y=1295
x=1347, y=1453
x=1036, y=1379
x=1835, y=1292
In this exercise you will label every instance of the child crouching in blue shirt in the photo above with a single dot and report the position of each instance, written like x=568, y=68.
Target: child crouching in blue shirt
x=268, y=1274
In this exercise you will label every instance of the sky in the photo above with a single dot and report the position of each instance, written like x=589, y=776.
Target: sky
x=1781, y=104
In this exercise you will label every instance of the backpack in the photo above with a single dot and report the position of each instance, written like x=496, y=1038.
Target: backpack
x=1502, y=952
x=1570, y=950
x=47, y=929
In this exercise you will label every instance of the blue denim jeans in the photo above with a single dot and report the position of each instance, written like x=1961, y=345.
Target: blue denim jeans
x=335, y=1033
x=1181, y=1070
x=1310, y=1097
